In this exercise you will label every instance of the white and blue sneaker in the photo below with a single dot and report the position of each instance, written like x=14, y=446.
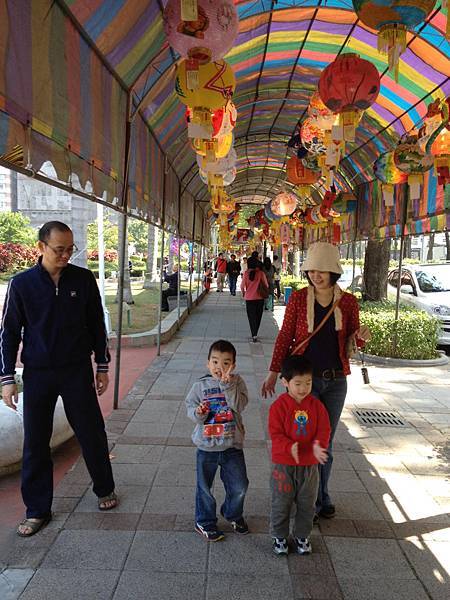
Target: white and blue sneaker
x=280, y=546
x=303, y=546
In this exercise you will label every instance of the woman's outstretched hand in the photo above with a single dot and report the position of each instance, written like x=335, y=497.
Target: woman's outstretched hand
x=268, y=387
x=363, y=333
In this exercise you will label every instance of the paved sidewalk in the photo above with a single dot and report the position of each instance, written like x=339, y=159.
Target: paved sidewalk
x=389, y=540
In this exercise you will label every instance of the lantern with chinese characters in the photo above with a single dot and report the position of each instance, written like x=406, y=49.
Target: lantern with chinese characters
x=410, y=159
x=313, y=138
x=221, y=202
x=283, y=204
x=220, y=122
x=348, y=86
x=322, y=116
x=392, y=19
x=215, y=148
x=211, y=90
x=301, y=176
x=386, y=171
x=208, y=36
x=438, y=145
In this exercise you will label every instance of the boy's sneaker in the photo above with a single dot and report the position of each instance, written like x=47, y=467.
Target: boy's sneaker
x=280, y=546
x=303, y=546
x=212, y=535
x=240, y=526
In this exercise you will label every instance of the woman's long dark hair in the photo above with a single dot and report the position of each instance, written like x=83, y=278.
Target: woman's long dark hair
x=253, y=264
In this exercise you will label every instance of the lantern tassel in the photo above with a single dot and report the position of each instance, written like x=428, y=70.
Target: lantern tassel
x=392, y=41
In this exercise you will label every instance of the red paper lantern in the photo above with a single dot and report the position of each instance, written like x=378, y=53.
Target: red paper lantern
x=348, y=86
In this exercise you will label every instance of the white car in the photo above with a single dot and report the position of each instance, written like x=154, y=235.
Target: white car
x=426, y=287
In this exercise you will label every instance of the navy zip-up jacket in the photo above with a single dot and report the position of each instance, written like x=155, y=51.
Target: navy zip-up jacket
x=59, y=325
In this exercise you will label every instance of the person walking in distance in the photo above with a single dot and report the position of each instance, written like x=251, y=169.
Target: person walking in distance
x=221, y=270
x=55, y=310
x=233, y=270
x=252, y=286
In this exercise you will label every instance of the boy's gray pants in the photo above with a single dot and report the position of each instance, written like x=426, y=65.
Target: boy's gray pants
x=293, y=485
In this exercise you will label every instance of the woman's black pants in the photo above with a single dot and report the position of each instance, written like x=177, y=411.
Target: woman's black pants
x=255, y=309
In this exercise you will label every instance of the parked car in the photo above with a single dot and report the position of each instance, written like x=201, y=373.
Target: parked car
x=426, y=287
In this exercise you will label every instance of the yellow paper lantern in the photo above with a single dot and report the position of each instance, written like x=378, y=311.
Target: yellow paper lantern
x=215, y=148
x=212, y=87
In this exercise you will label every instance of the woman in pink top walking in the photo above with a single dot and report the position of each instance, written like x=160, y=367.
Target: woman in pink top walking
x=254, y=301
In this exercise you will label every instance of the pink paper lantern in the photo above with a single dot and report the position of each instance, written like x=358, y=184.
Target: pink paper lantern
x=210, y=37
x=284, y=204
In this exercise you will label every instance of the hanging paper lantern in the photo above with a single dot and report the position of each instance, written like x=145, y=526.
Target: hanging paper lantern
x=348, y=86
x=227, y=119
x=302, y=177
x=392, y=19
x=311, y=162
x=207, y=37
x=227, y=178
x=285, y=233
x=216, y=84
x=313, y=138
x=270, y=216
x=323, y=117
x=220, y=165
x=440, y=150
x=283, y=204
x=221, y=202
x=410, y=159
x=215, y=148
x=386, y=170
x=313, y=216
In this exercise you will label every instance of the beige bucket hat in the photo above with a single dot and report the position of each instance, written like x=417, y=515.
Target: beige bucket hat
x=323, y=256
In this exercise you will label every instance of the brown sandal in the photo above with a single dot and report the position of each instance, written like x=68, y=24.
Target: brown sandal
x=109, y=498
x=35, y=526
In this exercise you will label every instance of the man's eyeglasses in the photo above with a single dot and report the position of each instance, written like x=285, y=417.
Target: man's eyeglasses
x=60, y=250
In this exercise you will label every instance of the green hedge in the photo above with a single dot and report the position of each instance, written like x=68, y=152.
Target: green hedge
x=294, y=282
x=417, y=331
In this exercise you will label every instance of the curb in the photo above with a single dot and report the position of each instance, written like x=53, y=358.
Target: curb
x=402, y=362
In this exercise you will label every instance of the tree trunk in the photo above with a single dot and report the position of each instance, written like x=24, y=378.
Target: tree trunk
x=127, y=295
x=407, y=247
x=447, y=243
x=376, y=268
x=430, y=246
x=152, y=255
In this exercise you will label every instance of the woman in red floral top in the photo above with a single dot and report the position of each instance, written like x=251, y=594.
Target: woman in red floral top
x=326, y=349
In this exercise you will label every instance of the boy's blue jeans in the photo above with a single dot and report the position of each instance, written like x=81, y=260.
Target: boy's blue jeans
x=233, y=473
x=331, y=392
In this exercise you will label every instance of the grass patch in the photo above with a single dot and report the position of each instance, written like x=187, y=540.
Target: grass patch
x=144, y=311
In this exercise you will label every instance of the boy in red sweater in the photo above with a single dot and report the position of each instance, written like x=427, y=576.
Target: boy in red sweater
x=299, y=428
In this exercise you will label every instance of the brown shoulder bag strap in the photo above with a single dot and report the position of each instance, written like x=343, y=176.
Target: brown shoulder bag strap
x=318, y=328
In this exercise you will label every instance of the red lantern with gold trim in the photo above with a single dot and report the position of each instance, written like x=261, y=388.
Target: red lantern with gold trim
x=348, y=86
x=300, y=175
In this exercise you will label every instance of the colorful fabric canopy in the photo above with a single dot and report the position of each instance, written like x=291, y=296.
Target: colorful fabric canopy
x=68, y=69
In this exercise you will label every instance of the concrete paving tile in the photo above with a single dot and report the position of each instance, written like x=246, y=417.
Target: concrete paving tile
x=149, y=415
x=174, y=475
x=76, y=584
x=382, y=589
x=89, y=550
x=132, y=499
x=229, y=587
x=421, y=530
x=345, y=481
x=128, y=453
x=355, y=506
x=317, y=564
x=84, y=520
x=141, y=440
x=65, y=504
x=370, y=558
x=120, y=521
x=69, y=490
x=147, y=429
x=13, y=582
x=374, y=529
x=167, y=551
x=338, y=527
x=138, y=474
x=244, y=555
x=258, y=476
x=431, y=562
x=180, y=455
x=171, y=500
x=149, y=522
x=316, y=588
x=159, y=586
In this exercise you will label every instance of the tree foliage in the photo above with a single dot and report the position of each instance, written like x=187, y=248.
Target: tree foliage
x=110, y=235
x=138, y=234
x=15, y=228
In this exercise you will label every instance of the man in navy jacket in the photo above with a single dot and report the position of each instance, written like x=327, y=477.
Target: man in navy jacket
x=55, y=310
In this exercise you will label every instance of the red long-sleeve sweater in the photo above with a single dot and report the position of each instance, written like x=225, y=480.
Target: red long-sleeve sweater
x=295, y=328
x=304, y=422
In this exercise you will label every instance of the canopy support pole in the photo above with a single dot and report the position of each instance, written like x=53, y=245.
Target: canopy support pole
x=122, y=255
x=200, y=260
x=161, y=266
x=191, y=254
x=179, y=259
x=400, y=263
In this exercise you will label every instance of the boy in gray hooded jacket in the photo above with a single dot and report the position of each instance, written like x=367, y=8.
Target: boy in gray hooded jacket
x=215, y=403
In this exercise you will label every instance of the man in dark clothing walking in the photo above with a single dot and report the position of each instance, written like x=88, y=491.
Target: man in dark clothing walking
x=233, y=270
x=55, y=310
